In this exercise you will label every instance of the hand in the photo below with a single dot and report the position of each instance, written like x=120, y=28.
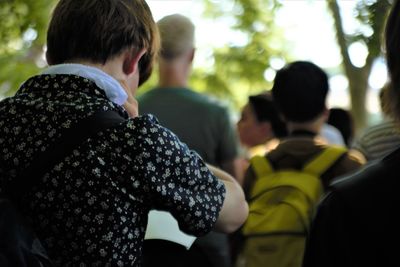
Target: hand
x=131, y=105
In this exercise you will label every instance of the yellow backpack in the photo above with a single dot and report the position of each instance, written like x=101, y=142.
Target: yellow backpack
x=282, y=204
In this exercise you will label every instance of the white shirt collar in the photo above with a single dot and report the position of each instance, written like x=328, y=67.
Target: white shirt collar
x=111, y=86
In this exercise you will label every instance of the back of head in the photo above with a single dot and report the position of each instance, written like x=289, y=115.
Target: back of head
x=98, y=30
x=265, y=110
x=300, y=90
x=343, y=121
x=177, y=35
x=392, y=42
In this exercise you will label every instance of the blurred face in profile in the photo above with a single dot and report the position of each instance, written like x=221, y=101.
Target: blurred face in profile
x=251, y=131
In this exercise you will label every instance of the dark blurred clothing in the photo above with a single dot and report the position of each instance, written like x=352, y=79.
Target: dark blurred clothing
x=296, y=151
x=356, y=224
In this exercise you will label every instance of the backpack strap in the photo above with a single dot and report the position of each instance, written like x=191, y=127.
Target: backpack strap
x=69, y=140
x=324, y=160
x=261, y=165
x=315, y=167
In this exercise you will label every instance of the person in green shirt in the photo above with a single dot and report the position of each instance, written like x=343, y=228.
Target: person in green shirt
x=201, y=122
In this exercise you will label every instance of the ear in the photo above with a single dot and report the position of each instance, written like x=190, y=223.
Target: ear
x=325, y=114
x=131, y=62
x=191, y=55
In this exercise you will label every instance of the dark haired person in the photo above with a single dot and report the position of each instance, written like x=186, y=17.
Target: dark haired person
x=300, y=90
x=260, y=128
x=259, y=123
x=342, y=120
x=90, y=209
x=356, y=224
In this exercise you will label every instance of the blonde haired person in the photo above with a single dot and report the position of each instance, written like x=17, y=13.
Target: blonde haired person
x=201, y=122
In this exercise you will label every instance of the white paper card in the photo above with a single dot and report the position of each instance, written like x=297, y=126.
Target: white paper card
x=162, y=225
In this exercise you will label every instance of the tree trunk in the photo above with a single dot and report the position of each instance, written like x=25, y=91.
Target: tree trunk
x=358, y=85
x=357, y=77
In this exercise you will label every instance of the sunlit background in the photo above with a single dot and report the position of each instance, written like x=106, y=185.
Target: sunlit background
x=308, y=30
x=240, y=46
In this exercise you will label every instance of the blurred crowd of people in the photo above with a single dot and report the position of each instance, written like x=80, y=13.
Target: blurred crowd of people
x=179, y=151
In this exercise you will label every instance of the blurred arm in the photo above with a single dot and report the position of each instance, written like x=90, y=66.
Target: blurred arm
x=235, y=209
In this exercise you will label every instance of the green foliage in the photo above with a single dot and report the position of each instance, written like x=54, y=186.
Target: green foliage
x=18, y=16
x=238, y=70
x=371, y=15
x=22, y=35
x=13, y=72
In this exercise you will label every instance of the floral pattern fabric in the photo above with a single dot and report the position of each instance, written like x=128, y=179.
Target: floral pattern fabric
x=91, y=208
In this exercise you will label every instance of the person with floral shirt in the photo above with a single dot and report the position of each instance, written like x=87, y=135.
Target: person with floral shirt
x=90, y=209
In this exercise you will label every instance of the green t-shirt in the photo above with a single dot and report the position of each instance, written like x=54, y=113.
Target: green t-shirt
x=199, y=121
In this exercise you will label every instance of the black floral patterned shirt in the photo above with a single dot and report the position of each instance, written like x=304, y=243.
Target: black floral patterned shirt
x=91, y=208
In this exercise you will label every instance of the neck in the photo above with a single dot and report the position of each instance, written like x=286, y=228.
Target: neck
x=174, y=73
x=314, y=126
x=111, y=67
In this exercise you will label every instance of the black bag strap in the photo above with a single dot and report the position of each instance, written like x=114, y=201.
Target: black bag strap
x=69, y=140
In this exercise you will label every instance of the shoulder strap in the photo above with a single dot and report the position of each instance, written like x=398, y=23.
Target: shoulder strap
x=70, y=139
x=324, y=160
x=261, y=165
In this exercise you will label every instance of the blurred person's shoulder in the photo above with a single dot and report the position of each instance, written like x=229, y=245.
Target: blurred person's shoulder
x=376, y=177
x=356, y=156
x=211, y=101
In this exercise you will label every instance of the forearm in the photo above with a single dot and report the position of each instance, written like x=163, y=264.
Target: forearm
x=235, y=209
x=234, y=168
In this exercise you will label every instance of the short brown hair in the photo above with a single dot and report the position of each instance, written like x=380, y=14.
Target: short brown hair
x=98, y=30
